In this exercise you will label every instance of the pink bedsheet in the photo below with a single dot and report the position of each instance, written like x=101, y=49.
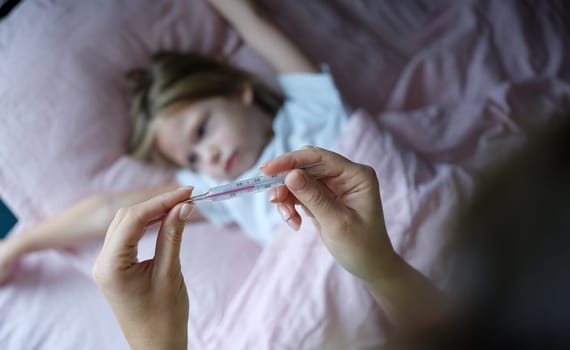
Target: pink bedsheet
x=449, y=88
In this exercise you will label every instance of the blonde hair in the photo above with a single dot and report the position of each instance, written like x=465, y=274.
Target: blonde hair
x=177, y=79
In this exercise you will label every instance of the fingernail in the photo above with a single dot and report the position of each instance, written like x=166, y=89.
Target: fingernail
x=272, y=196
x=263, y=165
x=297, y=182
x=307, y=147
x=185, y=211
x=293, y=224
x=185, y=188
x=284, y=212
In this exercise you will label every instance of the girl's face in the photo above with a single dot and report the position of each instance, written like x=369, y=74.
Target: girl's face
x=220, y=136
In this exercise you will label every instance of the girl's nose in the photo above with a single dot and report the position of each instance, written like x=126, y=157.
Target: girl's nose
x=211, y=155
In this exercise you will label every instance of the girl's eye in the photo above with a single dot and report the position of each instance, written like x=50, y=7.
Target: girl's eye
x=201, y=130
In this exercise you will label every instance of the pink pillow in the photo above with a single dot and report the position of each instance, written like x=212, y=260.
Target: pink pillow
x=64, y=117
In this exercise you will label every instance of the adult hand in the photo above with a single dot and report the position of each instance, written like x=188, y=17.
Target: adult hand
x=344, y=204
x=148, y=298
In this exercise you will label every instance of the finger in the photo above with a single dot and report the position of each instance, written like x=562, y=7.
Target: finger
x=333, y=164
x=156, y=221
x=117, y=219
x=282, y=196
x=307, y=211
x=167, y=255
x=311, y=194
x=279, y=194
x=131, y=227
x=115, y=223
x=289, y=215
x=286, y=206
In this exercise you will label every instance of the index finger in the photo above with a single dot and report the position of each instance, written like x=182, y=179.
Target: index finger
x=333, y=163
x=132, y=225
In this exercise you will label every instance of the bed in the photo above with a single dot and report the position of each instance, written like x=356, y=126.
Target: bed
x=440, y=90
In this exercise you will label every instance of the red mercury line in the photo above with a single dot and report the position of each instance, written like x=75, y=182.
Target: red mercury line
x=232, y=191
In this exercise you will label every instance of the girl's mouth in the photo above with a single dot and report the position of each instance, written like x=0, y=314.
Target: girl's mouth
x=230, y=163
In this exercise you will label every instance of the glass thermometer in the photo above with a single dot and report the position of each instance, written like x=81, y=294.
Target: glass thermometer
x=245, y=186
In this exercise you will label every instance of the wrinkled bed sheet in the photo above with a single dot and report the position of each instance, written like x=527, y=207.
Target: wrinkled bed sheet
x=446, y=90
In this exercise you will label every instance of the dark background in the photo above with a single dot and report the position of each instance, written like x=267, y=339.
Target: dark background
x=7, y=220
x=6, y=6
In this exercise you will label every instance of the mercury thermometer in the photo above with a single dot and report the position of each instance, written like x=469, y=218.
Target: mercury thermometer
x=245, y=186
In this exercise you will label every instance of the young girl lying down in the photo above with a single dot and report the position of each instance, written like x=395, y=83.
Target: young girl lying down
x=216, y=123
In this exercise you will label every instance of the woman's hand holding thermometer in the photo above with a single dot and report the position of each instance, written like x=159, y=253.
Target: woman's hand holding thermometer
x=344, y=205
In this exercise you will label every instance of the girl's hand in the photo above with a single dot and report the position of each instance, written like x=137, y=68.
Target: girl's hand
x=148, y=298
x=344, y=204
x=9, y=257
x=264, y=37
x=221, y=5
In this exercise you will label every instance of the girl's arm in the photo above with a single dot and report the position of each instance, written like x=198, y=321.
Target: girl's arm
x=88, y=219
x=264, y=37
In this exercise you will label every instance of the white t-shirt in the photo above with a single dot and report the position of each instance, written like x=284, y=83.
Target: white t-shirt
x=312, y=114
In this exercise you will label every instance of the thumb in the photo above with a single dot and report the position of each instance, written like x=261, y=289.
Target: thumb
x=313, y=196
x=167, y=256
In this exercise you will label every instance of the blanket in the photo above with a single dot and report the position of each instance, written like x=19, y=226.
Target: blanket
x=441, y=91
